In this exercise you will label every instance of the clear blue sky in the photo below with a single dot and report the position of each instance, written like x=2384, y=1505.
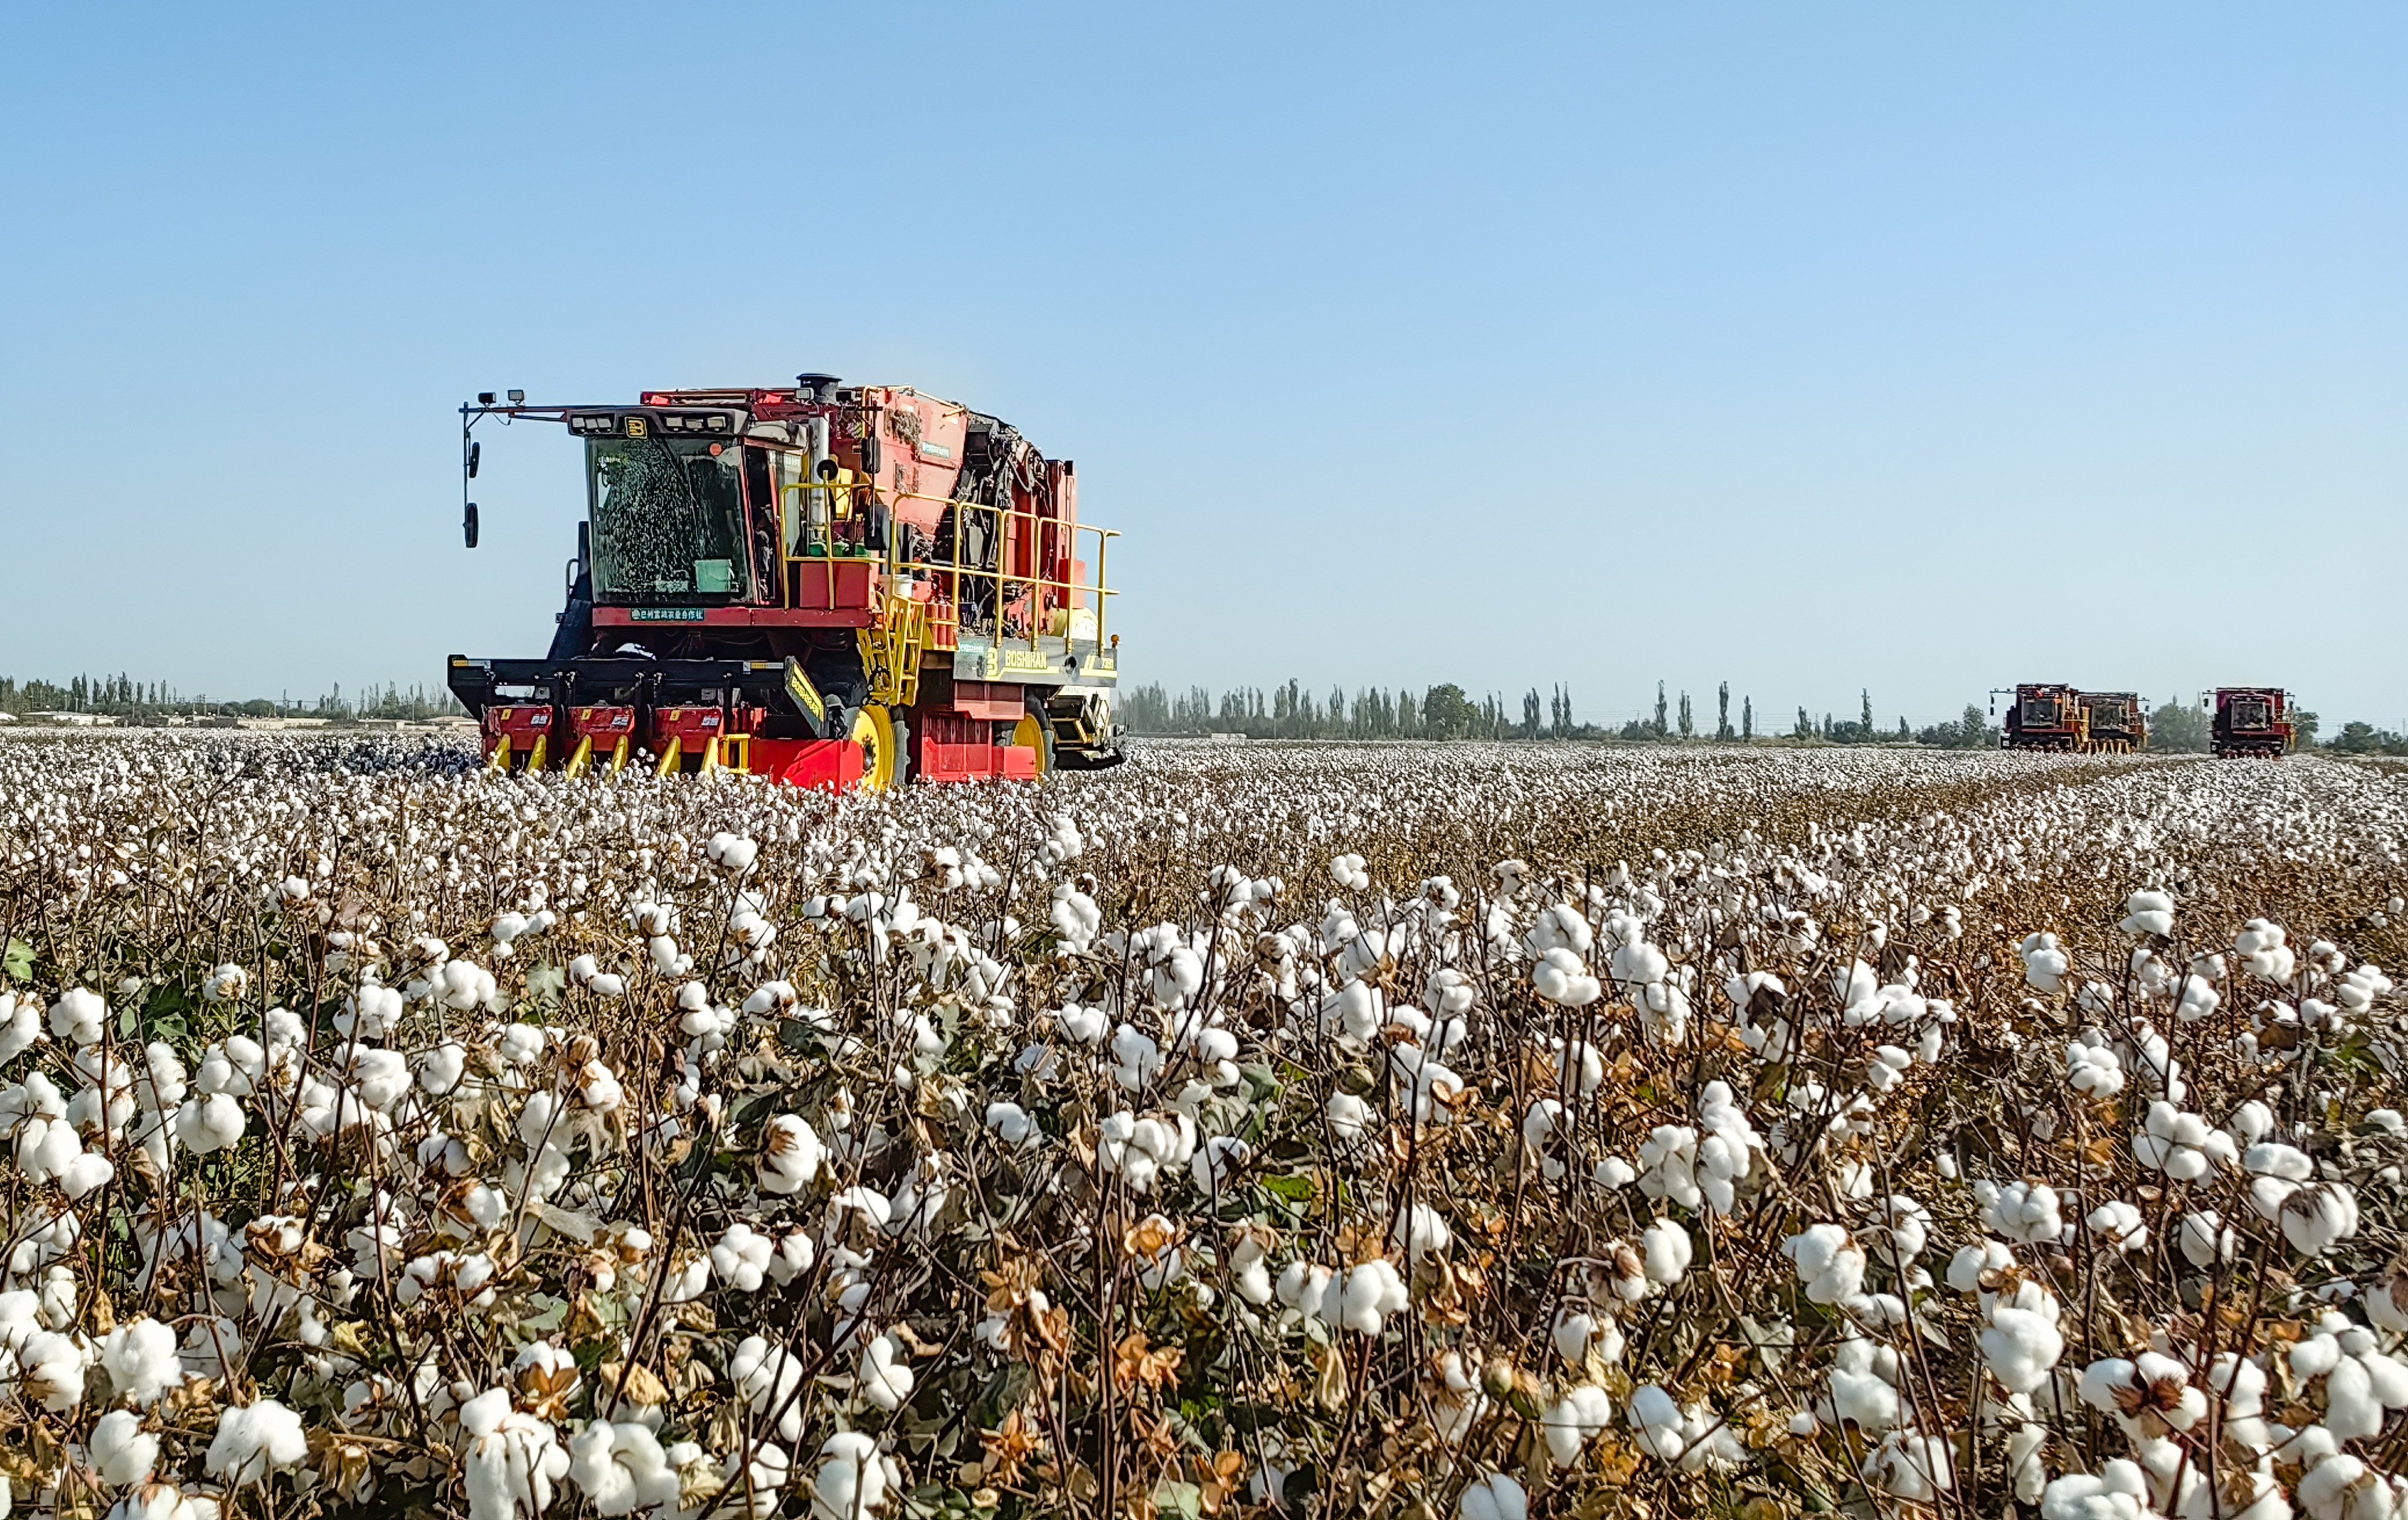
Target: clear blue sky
x=1913, y=347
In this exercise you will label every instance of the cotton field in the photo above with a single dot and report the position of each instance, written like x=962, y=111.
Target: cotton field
x=1397, y=1130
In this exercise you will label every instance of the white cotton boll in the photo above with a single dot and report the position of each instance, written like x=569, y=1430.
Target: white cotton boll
x=732, y=852
x=439, y=1069
x=2153, y=1382
x=1965, y=1268
x=1574, y=1420
x=1011, y=1124
x=2315, y=1219
x=209, y=1124
x=139, y=1357
x=2119, y=1225
x=885, y=1380
x=224, y=985
x=1640, y=964
x=1854, y=984
x=2119, y=1491
x=1349, y=1117
x=1135, y=1058
x=1494, y=1496
x=1218, y=1160
x=1665, y=1249
x=465, y=985
x=1657, y=1422
x=511, y=1460
x=740, y=1259
x=2092, y=1068
x=2352, y=1409
x=255, y=1440
x=2045, y=963
x=2206, y=1240
x=2314, y=1356
x=1912, y=1466
x=2022, y=1347
x=852, y=1481
x=791, y=1153
x=519, y=1045
x=1613, y=1172
x=1372, y=1292
x=2180, y=1144
x=80, y=1016
x=121, y=1451
x=2148, y=914
x=1574, y=1332
x=50, y=1369
x=621, y=1469
x=2342, y=1487
x=766, y=1377
x=2198, y=1000
x=790, y=1259
x=2022, y=1212
x=84, y=1173
x=1829, y=1264
x=21, y=1026
x=1561, y=979
x=1668, y=1165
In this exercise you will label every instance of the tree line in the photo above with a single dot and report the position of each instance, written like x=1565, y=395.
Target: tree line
x=1447, y=711
x=123, y=698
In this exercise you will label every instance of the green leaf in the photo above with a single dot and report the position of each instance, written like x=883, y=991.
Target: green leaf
x=1004, y=1392
x=1294, y=1189
x=546, y=984
x=19, y=961
x=1261, y=1085
x=1183, y=1499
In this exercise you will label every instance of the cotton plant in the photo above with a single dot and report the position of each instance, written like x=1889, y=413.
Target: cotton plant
x=747, y=1127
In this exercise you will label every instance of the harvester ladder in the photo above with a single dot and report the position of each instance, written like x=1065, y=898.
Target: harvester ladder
x=890, y=653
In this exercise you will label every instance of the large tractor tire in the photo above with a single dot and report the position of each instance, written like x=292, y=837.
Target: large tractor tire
x=1033, y=733
x=886, y=747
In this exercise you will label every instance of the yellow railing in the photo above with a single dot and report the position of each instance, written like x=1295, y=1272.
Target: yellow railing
x=843, y=505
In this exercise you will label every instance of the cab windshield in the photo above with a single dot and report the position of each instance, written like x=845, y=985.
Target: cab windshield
x=668, y=517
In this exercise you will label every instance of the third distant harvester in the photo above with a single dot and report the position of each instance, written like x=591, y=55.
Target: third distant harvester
x=828, y=584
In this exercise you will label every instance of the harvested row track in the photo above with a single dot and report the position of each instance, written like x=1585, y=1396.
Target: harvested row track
x=1492, y=1130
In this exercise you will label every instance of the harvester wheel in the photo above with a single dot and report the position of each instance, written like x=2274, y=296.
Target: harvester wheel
x=880, y=739
x=1033, y=733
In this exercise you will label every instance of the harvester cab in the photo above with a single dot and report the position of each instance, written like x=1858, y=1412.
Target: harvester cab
x=2047, y=716
x=829, y=584
x=2114, y=723
x=2251, y=721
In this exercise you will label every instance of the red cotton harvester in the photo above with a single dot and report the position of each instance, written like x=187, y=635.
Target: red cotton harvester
x=2114, y=723
x=2047, y=716
x=2252, y=722
x=832, y=585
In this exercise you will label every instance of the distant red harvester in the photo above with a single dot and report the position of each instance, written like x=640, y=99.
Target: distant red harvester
x=833, y=585
x=2252, y=722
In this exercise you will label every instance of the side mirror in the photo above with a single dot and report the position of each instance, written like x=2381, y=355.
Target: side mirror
x=476, y=452
x=468, y=525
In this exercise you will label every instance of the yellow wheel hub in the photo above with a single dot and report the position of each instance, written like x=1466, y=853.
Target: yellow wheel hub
x=1030, y=734
x=873, y=729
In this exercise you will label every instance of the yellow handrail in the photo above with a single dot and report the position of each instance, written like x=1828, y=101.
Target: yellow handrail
x=1001, y=578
